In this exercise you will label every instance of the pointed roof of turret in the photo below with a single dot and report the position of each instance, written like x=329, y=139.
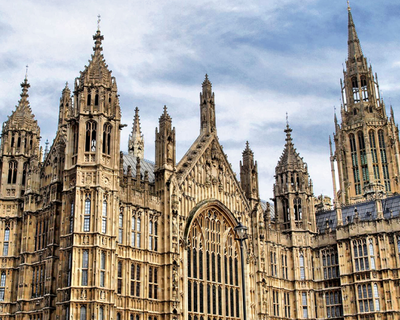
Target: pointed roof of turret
x=97, y=72
x=136, y=130
x=289, y=155
x=247, y=153
x=165, y=116
x=66, y=90
x=22, y=117
x=136, y=143
x=354, y=47
x=207, y=87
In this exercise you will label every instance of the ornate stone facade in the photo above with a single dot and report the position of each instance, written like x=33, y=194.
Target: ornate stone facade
x=89, y=232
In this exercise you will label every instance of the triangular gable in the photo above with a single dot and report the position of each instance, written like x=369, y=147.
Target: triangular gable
x=205, y=164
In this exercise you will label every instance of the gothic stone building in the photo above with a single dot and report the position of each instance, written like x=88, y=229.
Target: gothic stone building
x=89, y=232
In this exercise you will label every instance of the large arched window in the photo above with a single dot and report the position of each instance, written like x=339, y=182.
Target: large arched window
x=107, y=138
x=90, y=143
x=213, y=268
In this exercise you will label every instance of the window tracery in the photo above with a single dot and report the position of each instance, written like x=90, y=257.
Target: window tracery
x=90, y=143
x=136, y=230
x=12, y=172
x=385, y=168
x=86, y=218
x=212, y=248
x=107, y=138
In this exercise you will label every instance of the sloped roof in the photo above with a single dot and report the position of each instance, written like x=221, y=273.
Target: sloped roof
x=22, y=117
x=290, y=156
x=145, y=165
x=366, y=212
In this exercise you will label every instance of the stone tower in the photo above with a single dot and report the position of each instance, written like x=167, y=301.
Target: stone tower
x=293, y=190
x=207, y=108
x=165, y=150
x=367, y=141
x=91, y=212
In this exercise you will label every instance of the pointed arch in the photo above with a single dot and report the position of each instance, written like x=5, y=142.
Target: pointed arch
x=212, y=247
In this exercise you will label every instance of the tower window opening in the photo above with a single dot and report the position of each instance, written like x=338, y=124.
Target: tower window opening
x=12, y=140
x=135, y=280
x=104, y=217
x=24, y=170
x=120, y=226
x=85, y=266
x=375, y=163
x=286, y=212
x=356, y=91
x=107, y=138
x=298, y=215
x=354, y=160
x=302, y=269
x=365, y=301
x=86, y=218
x=153, y=237
x=19, y=141
x=6, y=241
x=74, y=138
x=364, y=89
x=89, y=99
x=90, y=144
x=12, y=172
x=384, y=161
x=96, y=99
x=102, y=268
x=363, y=158
x=119, y=275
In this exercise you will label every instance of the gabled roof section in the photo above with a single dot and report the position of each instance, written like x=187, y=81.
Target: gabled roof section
x=145, y=165
x=22, y=117
x=290, y=156
x=97, y=72
x=208, y=153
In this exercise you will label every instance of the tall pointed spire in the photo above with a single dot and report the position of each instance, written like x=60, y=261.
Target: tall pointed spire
x=98, y=38
x=249, y=174
x=207, y=108
x=354, y=47
x=136, y=142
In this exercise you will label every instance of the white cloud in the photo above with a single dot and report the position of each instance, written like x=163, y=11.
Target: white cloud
x=265, y=58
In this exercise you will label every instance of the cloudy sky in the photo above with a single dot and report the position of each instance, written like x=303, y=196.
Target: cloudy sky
x=264, y=58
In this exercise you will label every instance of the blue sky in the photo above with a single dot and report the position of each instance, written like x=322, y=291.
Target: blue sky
x=264, y=58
